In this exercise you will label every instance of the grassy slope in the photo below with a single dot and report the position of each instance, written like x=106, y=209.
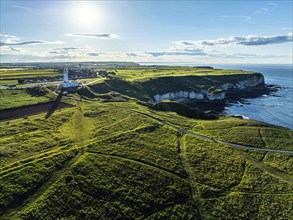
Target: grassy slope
x=233, y=185
x=100, y=186
x=143, y=73
x=100, y=161
x=130, y=166
x=247, y=132
x=18, y=98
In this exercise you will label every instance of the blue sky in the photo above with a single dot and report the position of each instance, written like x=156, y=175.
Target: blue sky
x=147, y=31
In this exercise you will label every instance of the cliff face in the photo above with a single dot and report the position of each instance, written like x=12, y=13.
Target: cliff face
x=244, y=84
x=190, y=95
x=218, y=94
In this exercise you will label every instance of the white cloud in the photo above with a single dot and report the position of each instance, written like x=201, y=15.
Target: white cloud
x=178, y=52
x=250, y=40
x=21, y=43
x=96, y=35
x=15, y=49
x=7, y=38
x=11, y=40
x=245, y=55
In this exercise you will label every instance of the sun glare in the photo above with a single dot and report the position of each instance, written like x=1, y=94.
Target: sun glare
x=86, y=14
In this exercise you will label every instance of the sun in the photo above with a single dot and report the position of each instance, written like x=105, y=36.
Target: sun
x=85, y=14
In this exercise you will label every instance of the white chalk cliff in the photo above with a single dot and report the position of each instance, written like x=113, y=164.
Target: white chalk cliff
x=205, y=94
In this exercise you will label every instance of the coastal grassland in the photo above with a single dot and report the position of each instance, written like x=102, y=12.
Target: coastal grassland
x=34, y=149
x=106, y=187
x=107, y=96
x=153, y=145
x=8, y=82
x=126, y=134
x=234, y=130
x=231, y=183
x=142, y=73
x=170, y=117
x=20, y=181
x=22, y=97
x=120, y=159
x=280, y=162
x=247, y=132
x=26, y=73
x=31, y=148
x=27, y=137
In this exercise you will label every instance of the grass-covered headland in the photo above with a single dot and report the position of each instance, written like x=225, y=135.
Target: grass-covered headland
x=111, y=155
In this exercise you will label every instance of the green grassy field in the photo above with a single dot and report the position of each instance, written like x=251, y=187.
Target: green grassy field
x=143, y=73
x=247, y=132
x=26, y=73
x=22, y=97
x=106, y=162
x=233, y=184
x=116, y=158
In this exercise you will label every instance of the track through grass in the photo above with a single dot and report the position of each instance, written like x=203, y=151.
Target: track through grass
x=81, y=135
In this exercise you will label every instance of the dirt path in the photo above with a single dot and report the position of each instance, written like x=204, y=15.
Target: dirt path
x=195, y=194
x=267, y=169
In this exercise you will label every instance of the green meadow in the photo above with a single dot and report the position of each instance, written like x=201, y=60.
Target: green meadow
x=143, y=73
x=23, y=97
x=110, y=156
x=15, y=73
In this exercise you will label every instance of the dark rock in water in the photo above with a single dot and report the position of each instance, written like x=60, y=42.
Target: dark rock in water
x=244, y=102
x=239, y=116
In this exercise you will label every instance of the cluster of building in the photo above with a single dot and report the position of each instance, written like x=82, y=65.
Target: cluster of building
x=78, y=72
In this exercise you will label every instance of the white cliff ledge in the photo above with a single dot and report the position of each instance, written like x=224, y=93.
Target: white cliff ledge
x=216, y=94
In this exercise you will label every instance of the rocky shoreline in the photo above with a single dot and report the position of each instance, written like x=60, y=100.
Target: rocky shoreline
x=210, y=104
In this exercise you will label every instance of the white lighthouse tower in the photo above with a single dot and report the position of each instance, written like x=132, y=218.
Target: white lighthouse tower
x=65, y=78
x=66, y=83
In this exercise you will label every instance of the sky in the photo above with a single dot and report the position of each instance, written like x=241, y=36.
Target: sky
x=201, y=32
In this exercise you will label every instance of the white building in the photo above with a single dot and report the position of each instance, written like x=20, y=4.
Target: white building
x=66, y=83
x=65, y=77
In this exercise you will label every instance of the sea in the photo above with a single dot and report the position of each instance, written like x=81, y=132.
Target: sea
x=276, y=108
